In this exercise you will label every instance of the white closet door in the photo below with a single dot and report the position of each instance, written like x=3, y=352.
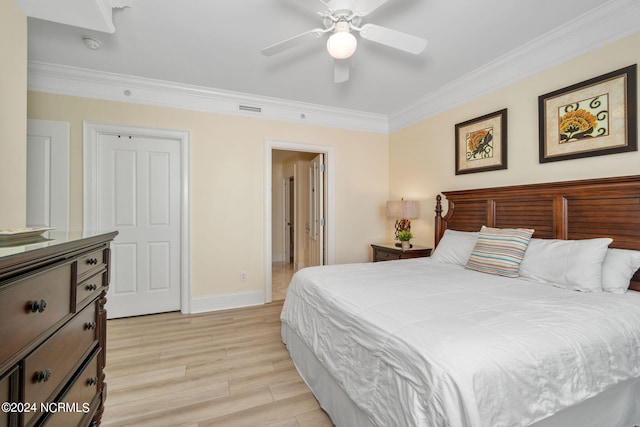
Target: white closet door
x=48, y=174
x=139, y=195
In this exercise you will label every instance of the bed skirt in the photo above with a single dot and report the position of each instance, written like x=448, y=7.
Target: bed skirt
x=618, y=406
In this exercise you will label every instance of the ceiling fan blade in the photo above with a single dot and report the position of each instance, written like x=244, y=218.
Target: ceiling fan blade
x=292, y=41
x=393, y=38
x=365, y=7
x=341, y=70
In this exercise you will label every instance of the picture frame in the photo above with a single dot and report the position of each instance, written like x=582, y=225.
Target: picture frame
x=481, y=143
x=591, y=118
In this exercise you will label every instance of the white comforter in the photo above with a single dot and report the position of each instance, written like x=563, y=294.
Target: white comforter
x=418, y=343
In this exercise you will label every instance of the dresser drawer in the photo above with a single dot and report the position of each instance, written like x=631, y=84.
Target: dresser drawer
x=91, y=261
x=52, y=363
x=386, y=256
x=7, y=394
x=89, y=289
x=78, y=401
x=30, y=306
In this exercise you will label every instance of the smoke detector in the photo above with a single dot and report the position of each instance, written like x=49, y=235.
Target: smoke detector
x=90, y=43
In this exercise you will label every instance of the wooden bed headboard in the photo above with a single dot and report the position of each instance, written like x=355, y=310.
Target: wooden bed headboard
x=606, y=207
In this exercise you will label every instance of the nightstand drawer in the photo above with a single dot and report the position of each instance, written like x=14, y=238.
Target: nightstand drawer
x=389, y=252
x=385, y=256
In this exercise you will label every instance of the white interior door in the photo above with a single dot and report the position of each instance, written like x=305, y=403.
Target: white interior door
x=316, y=211
x=139, y=195
x=48, y=174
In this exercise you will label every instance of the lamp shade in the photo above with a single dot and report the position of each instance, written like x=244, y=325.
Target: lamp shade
x=341, y=44
x=405, y=209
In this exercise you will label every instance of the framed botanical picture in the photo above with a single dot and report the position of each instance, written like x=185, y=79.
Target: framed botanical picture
x=592, y=118
x=481, y=143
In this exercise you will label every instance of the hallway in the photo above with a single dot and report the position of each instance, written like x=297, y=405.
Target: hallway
x=281, y=273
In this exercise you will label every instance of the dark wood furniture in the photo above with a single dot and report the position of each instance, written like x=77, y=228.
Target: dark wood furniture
x=605, y=207
x=387, y=252
x=53, y=330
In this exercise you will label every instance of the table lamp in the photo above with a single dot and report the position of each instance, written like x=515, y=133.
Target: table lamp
x=402, y=211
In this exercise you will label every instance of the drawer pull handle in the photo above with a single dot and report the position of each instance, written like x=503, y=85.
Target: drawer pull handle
x=38, y=306
x=92, y=261
x=90, y=326
x=92, y=287
x=92, y=381
x=42, y=376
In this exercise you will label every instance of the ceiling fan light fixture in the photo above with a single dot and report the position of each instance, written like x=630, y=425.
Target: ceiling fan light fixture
x=342, y=44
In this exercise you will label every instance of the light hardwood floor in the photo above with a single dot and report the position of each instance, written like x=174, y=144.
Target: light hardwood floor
x=281, y=273
x=226, y=368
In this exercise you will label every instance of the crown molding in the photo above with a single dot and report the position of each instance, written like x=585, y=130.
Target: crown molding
x=613, y=20
x=609, y=22
x=85, y=83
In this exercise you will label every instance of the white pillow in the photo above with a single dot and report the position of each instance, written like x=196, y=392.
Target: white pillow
x=619, y=267
x=571, y=264
x=455, y=247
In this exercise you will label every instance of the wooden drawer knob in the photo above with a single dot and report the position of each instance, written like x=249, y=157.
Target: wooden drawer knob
x=90, y=326
x=38, y=306
x=42, y=376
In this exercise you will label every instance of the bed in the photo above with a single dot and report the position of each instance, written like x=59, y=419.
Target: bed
x=438, y=342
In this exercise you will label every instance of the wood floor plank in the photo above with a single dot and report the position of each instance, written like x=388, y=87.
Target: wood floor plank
x=180, y=386
x=265, y=414
x=223, y=368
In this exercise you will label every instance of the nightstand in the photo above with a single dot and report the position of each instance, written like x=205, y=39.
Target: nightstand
x=387, y=252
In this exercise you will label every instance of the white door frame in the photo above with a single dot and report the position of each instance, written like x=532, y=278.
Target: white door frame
x=91, y=134
x=330, y=244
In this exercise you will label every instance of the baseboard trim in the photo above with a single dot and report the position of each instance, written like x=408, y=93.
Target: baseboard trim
x=226, y=301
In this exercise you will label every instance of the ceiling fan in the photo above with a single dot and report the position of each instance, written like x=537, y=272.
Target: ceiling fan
x=342, y=18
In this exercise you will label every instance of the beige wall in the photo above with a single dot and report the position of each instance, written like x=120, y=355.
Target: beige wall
x=421, y=157
x=227, y=182
x=227, y=162
x=13, y=115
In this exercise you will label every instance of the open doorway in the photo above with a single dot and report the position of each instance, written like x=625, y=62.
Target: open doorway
x=298, y=210
x=297, y=215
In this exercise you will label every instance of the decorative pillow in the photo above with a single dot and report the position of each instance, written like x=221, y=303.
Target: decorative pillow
x=618, y=268
x=455, y=247
x=499, y=250
x=571, y=264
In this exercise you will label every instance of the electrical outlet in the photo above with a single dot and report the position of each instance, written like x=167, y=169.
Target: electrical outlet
x=243, y=276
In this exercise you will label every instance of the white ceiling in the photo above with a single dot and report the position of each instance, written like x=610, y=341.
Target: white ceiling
x=216, y=44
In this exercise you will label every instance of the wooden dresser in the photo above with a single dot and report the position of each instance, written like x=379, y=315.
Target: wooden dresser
x=388, y=252
x=53, y=330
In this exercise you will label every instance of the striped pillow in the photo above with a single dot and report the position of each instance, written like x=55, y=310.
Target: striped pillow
x=499, y=250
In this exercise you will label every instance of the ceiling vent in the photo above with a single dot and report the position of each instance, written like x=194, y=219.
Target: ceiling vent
x=250, y=108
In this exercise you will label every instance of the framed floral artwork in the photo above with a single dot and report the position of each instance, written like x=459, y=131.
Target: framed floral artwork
x=481, y=143
x=591, y=118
